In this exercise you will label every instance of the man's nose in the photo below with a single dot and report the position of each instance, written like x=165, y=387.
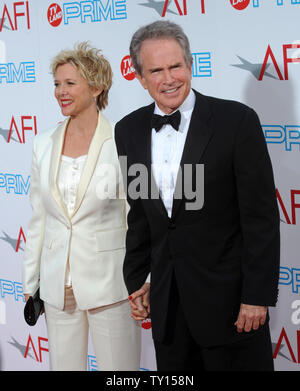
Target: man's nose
x=168, y=77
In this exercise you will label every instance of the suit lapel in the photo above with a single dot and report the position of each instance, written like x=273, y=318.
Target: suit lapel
x=103, y=132
x=144, y=144
x=198, y=137
x=57, y=145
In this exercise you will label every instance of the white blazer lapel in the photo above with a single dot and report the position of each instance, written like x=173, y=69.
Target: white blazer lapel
x=103, y=132
x=57, y=146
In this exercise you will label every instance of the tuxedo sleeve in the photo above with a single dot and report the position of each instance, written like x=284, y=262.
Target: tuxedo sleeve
x=136, y=266
x=259, y=215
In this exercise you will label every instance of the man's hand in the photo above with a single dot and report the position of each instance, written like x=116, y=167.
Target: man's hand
x=140, y=302
x=250, y=317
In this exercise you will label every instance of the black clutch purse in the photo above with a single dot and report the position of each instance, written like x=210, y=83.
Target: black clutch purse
x=33, y=308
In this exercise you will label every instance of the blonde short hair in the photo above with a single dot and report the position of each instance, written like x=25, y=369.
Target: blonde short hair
x=91, y=64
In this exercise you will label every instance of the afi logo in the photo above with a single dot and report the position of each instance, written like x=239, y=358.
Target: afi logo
x=162, y=7
x=181, y=11
x=294, y=197
x=26, y=123
x=240, y=4
x=54, y=15
x=30, y=343
x=279, y=346
x=286, y=60
x=15, y=243
x=127, y=69
x=259, y=70
x=19, y=9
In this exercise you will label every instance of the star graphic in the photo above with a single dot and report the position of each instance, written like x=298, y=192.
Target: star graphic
x=2, y=20
x=158, y=6
x=11, y=241
x=4, y=133
x=255, y=68
x=274, y=344
x=18, y=346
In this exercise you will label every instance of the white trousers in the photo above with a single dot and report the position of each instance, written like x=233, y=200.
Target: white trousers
x=116, y=337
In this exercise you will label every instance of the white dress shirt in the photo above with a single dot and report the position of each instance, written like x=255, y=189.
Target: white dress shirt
x=68, y=180
x=166, y=151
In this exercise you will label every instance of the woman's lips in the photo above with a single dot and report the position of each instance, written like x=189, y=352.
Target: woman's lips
x=65, y=103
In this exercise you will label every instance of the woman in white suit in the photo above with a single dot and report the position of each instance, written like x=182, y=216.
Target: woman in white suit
x=76, y=237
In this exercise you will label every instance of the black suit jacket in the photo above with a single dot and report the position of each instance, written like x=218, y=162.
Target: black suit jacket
x=227, y=252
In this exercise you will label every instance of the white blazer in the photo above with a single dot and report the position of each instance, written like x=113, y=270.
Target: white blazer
x=92, y=238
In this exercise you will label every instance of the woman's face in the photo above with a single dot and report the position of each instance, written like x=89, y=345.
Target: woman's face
x=72, y=91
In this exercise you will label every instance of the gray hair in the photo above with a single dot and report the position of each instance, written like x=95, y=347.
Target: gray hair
x=158, y=30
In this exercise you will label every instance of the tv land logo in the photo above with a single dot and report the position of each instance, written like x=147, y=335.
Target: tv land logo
x=86, y=11
x=22, y=72
x=127, y=69
x=290, y=54
x=14, y=16
x=294, y=202
x=287, y=135
x=202, y=66
x=14, y=184
x=178, y=7
x=18, y=128
x=240, y=5
x=15, y=242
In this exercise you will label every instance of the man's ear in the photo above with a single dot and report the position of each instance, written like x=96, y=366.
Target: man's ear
x=142, y=80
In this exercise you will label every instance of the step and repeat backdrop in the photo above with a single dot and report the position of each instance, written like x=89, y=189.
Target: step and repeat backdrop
x=245, y=50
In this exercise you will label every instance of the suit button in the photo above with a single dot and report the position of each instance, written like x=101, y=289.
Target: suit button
x=172, y=226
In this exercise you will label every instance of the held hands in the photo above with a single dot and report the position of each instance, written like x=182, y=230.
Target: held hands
x=250, y=317
x=140, y=303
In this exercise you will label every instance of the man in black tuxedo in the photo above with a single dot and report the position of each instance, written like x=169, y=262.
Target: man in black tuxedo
x=215, y=264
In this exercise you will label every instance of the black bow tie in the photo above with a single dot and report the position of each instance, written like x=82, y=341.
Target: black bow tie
x=157, y=121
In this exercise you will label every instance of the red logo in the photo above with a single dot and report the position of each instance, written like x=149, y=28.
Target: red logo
x=240, y=4
x=146, y=324
x=41, y=348
x=54, y=15
x=294, y=205
x=9, y=19
x=20, y=132
x=127, y=69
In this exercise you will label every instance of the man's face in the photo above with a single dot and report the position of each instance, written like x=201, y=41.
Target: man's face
x=165, y=73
